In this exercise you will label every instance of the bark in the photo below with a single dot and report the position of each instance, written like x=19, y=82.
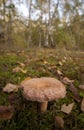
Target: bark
x=10, y=25
x=29, y=24
x=40, y=33
x=5, y=27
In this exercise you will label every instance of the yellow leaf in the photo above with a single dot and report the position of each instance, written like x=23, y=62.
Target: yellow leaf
x=24, y=71
x=28, y=78
x=45, y=62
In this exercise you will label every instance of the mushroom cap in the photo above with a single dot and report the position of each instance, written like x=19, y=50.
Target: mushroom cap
x=43, y=89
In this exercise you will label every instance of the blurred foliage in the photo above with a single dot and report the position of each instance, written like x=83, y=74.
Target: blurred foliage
x=66, y=31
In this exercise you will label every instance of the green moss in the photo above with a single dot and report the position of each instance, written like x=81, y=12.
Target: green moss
x=81, y=93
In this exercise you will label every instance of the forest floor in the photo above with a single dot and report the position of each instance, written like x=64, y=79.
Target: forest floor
x=43, y=63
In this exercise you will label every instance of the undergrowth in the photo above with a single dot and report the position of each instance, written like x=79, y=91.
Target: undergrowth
x=41, y=64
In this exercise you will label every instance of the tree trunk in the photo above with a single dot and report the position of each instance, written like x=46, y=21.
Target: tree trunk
x=10, y=26
x=5, y=26
x=51, y=43
x=29, y=24
x=40, y=29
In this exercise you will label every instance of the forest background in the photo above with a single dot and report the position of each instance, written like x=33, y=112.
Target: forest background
x=46, y=23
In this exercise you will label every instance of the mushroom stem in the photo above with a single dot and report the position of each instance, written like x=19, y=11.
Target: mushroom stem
x=43, y=106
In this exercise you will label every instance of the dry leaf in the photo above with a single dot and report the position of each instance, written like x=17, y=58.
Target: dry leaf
x=60, y=63
x=16, y=70
x=65, y=58
x=53, y=66
x=50, y=68
x=67, y=108
x=75, y=92
x=72, y=88
x=59, y=122
x=45, y=62
x=67, y=81
x=75, y=98
x=12, y=98
x=63, y=61
x=10, y=88
x=81, y=87
x=24, y=71
x=59, y=73
x=21, y=64
x=82, y=105
x=6, y=112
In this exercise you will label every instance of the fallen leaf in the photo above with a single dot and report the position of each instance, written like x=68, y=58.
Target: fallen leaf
x=6, y=112
x=10, y=88
x=52, y=67
x=21, y=64
x=59, y=73
x=82, y=105
x=60, y=63
x=45, y=62
x=75, y=92
x=81, y=87
x=67, y=81
x=72, y=88
x=65, y=58
x=63, y=61
x=16, y=70
x=12, y=98
x=75, y=98
x=59, y=122
x=24, y=71
x=67, y=108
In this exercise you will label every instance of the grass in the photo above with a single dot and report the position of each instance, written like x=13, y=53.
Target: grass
x=39, y=63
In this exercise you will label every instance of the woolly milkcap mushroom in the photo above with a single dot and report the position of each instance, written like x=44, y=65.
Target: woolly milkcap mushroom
x=43, y=90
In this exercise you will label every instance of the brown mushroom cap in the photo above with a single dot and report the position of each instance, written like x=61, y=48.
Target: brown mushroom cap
x=43, y=89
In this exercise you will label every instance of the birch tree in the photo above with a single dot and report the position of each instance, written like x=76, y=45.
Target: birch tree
x=29, y=7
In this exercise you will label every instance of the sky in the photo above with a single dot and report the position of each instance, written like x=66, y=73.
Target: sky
x=22, y=8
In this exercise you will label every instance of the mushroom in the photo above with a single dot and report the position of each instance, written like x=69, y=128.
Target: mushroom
x=43, y=90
